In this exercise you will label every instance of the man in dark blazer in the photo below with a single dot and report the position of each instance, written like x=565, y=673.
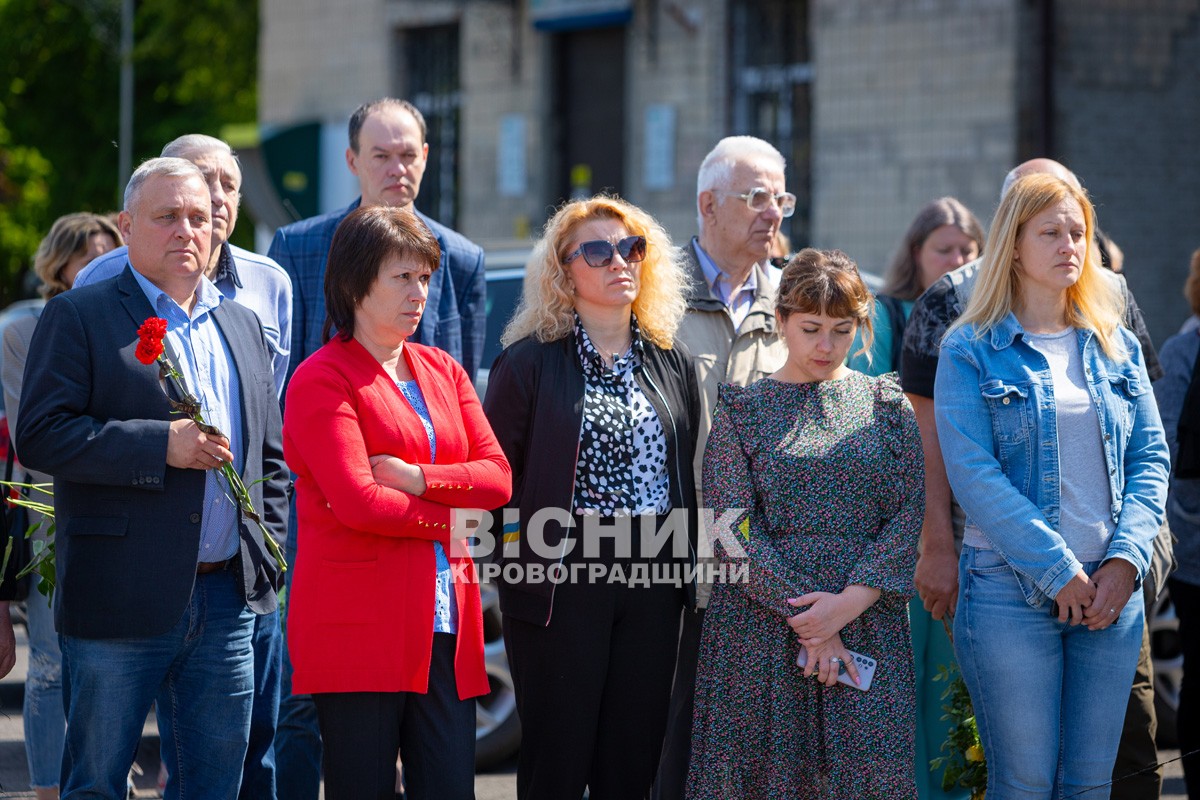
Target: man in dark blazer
x=388, y=154
x=159, y=575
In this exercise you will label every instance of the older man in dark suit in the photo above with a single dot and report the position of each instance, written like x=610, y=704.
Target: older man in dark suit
x=159, y=575
x=262, y=286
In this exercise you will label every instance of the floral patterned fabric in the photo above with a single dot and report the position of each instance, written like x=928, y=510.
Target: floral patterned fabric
x=831, y=477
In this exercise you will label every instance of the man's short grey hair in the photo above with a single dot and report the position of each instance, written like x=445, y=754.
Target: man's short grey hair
x=166, y=167
x=192, y=143
x=717, y=167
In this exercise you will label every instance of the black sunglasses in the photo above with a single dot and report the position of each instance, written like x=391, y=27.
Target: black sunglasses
x=599, y=253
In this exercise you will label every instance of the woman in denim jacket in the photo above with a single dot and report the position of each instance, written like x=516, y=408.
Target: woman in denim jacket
x=1054, y=448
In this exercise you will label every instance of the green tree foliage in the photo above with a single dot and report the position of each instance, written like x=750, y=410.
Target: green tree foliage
x=24, y=201
x=195, y=70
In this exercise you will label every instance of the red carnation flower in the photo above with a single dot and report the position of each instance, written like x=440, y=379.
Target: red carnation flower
x=150, y=338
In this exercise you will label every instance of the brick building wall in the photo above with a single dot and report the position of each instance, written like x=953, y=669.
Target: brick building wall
x=674, y=60
x=321, y=60
x=318, y=59
x=504, y=72
x=1127, y=94
x=913, y=101
x=679, y=61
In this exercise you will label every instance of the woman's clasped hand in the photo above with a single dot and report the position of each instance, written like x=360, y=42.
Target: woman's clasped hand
x=818, y=628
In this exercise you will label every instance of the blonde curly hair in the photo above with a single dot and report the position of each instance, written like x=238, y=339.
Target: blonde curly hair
x=547, y=306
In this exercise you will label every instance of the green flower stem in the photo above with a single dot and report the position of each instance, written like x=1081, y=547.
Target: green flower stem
x=190, y=407
x=41, y=562
x=241, y=497
x=964, y=760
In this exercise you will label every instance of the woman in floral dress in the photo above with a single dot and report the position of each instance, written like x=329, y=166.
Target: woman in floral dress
x=817, y=472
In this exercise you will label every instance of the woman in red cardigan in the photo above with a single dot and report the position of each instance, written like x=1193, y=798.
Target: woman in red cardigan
x=387, y=439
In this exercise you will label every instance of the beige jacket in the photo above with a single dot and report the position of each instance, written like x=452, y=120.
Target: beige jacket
x=725, y=355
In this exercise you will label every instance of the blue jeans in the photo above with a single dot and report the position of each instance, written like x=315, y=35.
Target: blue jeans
x=1049, y=697
x=258, y=774
x=45, y=723
x=201, y=675
x=298, y=736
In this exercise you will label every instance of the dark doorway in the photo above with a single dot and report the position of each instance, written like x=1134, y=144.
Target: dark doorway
x=589, y=113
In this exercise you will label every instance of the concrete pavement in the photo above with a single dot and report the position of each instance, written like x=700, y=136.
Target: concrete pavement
x=500, y=784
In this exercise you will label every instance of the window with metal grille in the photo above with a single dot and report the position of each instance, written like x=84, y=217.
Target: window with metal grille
x=771, y=73
x=430, y=59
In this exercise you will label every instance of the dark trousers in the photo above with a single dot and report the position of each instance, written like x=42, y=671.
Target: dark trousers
x=434, y=734
x=1137, y=749
x=297, y=735
x=592, y=690
x=1186, y=597
x=671, y=780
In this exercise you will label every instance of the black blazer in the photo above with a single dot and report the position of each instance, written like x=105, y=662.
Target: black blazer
x=127, y=525
x=534, y=403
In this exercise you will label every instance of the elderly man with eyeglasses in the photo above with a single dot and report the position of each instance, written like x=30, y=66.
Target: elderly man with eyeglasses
x=729, y=327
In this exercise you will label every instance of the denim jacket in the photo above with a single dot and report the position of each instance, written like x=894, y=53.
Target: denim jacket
x=994, y=402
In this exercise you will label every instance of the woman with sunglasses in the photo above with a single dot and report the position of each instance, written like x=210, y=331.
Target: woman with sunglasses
x=595, y=406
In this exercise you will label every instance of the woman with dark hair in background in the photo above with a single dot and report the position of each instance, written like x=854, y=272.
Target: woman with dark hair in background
x=387, y=439
x=943, y=236
x=73, y=241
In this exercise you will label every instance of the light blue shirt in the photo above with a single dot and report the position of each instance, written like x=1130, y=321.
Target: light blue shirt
x=445, y=609
x=246, y=278
x=738, y=302
x=201, y=355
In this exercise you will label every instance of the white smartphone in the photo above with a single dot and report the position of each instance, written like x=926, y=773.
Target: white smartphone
x=865, y=665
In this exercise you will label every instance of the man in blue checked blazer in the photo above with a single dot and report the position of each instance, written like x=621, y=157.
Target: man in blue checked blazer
x=388, y=153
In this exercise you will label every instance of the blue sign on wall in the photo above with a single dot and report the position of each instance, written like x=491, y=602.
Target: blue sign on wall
x=573, y=15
